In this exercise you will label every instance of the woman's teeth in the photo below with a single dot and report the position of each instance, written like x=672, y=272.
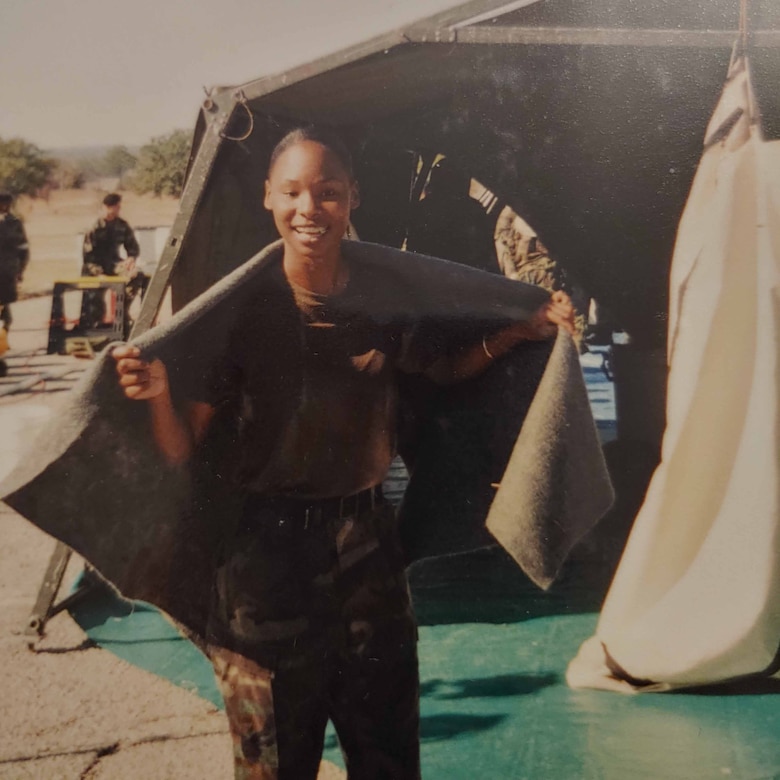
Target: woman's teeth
x=311, y=231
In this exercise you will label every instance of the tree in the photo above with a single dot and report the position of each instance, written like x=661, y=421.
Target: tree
x=162, y=164
x=117, y=161
x=91, y=165
x=68, y=175
x=23, y=167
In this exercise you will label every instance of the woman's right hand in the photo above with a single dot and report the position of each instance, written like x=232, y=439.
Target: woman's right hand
x=139, y=379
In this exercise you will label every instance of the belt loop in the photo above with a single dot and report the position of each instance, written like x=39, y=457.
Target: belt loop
x=373, y=497
x=341, y=507
x=306, y=518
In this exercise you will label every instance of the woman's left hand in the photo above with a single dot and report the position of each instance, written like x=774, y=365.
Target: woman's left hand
x=558, y=311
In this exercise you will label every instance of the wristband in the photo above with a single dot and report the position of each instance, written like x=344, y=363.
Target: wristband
x=486, y=350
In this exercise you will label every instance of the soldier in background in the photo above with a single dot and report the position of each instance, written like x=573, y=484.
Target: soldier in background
x=523, y=257
x=102, y=243
x=102, y=258
x=14, y=256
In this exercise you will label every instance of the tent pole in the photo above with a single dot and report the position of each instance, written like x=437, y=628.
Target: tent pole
x=218, y=110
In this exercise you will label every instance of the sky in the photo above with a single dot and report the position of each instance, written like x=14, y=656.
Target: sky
x=104, y=72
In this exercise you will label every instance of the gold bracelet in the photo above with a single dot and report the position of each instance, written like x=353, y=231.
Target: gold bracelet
x=487, y=351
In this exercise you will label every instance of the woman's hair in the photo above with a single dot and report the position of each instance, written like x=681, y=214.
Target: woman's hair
x=321, y=135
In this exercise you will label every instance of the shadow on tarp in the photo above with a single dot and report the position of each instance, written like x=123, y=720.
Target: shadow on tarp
x=500, y=686
x=436, y=728
x=748, y=686
x=486, y=586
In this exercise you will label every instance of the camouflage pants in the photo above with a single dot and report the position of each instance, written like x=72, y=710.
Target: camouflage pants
x=313, y=623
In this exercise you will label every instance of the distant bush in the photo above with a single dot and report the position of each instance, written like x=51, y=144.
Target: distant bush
x=24, y=170
x=162, y=164
x=91, y=166
x=117, y=161
x=68, y=175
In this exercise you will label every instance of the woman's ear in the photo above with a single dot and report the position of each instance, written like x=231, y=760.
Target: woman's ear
x=354, y=195
x=267, y=197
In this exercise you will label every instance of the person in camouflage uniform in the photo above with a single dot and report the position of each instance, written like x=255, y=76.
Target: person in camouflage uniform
x=101, y=257
x=523, y=257
x=338, y=641
x=102, y=243
x=14, y=256
x=311, y=619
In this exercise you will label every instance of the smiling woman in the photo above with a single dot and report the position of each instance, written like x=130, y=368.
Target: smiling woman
x=312, y=619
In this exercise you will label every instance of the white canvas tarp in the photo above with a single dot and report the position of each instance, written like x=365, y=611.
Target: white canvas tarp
x=696, y=597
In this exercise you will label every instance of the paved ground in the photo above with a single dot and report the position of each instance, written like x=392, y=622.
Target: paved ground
x=71, y=710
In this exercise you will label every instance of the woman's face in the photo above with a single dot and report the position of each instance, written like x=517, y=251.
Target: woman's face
x=311, y=196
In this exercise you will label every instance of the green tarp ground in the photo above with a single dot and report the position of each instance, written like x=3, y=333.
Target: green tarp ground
x=493, y=652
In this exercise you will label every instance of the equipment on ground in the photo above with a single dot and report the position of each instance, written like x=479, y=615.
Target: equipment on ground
x=102, y=315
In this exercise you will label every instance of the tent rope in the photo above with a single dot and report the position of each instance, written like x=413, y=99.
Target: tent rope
x=241, y=101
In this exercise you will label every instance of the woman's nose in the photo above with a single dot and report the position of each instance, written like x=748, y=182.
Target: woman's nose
x=307, y=203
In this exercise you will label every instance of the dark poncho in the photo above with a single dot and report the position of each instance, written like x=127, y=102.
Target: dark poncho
x=96, y=481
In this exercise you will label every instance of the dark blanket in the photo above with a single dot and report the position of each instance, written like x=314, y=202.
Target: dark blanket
x=95, y=480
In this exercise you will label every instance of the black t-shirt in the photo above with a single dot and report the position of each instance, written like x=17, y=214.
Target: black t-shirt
x=311, y=383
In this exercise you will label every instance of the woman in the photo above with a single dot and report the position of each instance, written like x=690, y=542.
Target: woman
x=312, y=619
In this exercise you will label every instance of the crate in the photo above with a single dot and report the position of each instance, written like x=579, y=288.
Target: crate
x=101, y=314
